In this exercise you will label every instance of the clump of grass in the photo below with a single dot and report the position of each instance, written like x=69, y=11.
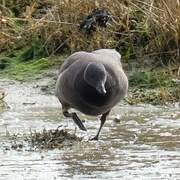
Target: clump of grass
x=43, y=140
x=52, y=139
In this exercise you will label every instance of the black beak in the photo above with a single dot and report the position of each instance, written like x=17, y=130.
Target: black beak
x=101, y=89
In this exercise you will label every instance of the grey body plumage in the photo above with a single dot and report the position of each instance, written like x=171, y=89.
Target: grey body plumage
x=91, y=82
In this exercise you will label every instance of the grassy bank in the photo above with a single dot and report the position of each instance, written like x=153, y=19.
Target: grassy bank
x=145, y=32
x=154, y=87
x=20, y=69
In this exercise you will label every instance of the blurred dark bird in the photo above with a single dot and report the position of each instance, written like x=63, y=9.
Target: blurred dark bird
x=98, y=17
x=91, y=82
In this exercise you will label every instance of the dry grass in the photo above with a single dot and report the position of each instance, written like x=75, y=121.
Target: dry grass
x=141, y=30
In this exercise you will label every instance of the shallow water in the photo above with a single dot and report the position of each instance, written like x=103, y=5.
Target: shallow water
x=137, y=142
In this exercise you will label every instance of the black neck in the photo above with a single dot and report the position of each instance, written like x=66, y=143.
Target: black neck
x=89, y=94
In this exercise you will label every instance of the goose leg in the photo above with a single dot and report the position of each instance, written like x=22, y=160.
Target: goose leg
x=102, y=119
x=75, y=119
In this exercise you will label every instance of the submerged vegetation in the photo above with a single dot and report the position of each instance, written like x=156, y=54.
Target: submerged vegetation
x=43, y=140
x=51, y=139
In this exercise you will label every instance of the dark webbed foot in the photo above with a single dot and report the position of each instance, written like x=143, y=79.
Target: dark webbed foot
x=76, y=119
x=95, y=138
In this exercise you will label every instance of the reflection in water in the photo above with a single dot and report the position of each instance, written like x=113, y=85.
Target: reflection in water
x=144, y=144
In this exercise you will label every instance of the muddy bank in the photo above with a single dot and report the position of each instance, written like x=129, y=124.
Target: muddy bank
x=33, y=93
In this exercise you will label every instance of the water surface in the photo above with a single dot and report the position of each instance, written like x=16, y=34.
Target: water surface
x=137, y=142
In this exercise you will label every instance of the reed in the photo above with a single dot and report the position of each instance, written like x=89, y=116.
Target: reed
x=146, y=32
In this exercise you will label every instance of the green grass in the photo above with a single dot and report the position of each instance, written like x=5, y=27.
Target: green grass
x=150, y=79
x=153, y=87
x=28, y=70
x=27, y=63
